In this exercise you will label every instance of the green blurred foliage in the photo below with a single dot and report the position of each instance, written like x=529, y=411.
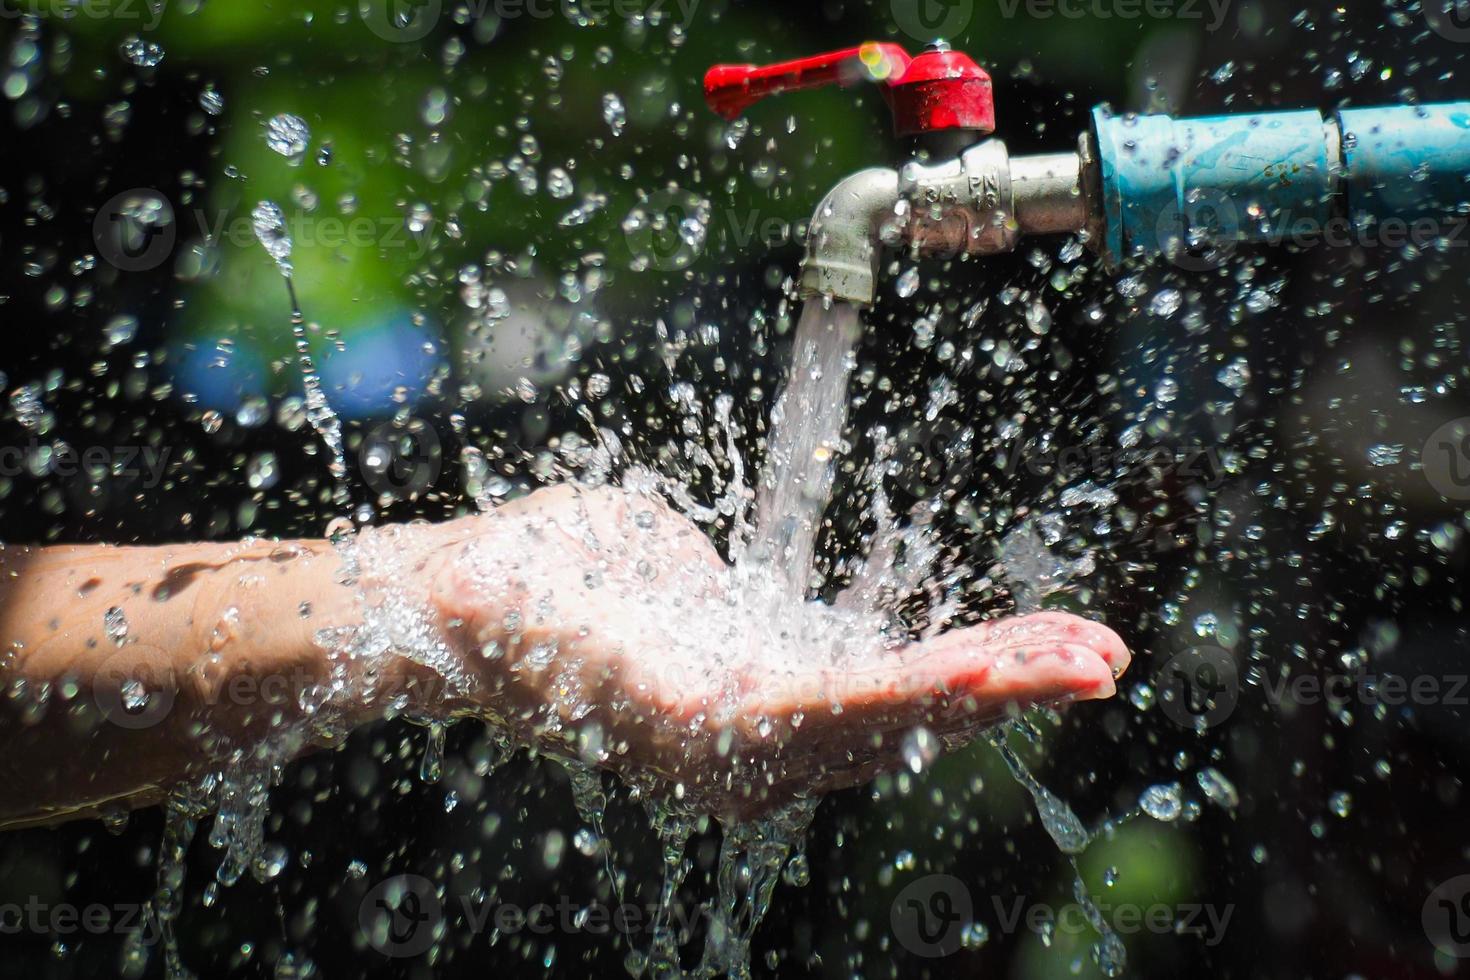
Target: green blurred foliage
x=441, y=122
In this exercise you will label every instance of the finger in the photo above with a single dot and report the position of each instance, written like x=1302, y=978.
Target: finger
x=964, y=675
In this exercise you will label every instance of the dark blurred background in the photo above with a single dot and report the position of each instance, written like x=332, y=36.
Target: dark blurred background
x=502, y=175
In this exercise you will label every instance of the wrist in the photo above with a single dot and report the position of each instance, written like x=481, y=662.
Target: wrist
x=400, y=652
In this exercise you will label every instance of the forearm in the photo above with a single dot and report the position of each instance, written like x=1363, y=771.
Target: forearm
x=126, y=670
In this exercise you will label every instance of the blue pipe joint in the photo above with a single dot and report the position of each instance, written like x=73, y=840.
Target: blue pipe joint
x=1186, y=187
x=1406, y=162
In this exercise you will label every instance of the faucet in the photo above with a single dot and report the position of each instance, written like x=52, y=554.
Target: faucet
x=1135, y=185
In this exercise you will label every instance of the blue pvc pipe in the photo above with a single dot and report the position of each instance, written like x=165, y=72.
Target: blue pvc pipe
x=1406, y=161
x=1261, y=176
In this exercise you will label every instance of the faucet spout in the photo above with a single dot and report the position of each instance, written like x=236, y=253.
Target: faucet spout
x=979, y=203
x=847, y=235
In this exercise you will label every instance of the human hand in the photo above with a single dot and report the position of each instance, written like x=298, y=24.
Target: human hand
x=601, y=624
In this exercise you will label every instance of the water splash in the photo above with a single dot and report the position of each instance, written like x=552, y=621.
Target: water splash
x=270, y=229
x=1061, y=824
x=1072, y=839
x=182, y=813
x=751, y=857
x=750, y=617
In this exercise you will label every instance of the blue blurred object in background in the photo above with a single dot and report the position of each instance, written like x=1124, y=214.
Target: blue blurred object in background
x=220, y=376
x=381, y=366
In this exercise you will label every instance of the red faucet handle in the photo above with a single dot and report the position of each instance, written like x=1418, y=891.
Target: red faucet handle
x=940, y=89
x=731, y=89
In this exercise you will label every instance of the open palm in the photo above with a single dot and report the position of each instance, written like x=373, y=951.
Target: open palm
x=603, y=624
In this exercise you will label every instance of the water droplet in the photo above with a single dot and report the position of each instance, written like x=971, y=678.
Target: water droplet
x=120, y=330
x=798, y=872
x=974, y=935
x=144, y=54
x=1162, y=801
x=1166, y=303
x=211, y=101
x=920, y=748
x=431, y=767
x=1385, y=454
x=614, y=113
x=908, y=282
x=134, y=695
x=270, y=229
x=553, y=849
x=559, y=183
x=115, y=625
x=288, y=135
x=1236, y=376
x=1218, y=789
x=271, y=861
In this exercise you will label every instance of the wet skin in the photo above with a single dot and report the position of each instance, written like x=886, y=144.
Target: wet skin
x=740, y=736
x=553, y=618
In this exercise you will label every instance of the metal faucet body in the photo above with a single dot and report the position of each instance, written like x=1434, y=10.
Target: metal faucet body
x=979, y=203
